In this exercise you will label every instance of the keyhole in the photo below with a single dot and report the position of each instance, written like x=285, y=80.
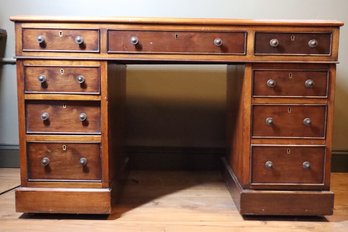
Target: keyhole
x=60, y=34
x=290, y=75
x=176, y=36
x=64, y=147
x=64, y=106
x=289, y=110
x=61, y=71
x=288, y=151
x=292, y=37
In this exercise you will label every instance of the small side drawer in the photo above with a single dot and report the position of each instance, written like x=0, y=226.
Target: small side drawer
x=72, y=80
x=288, y=121
x=293, y=43
x=60, y=40
x=182, y=42
x=290, y=165
x=290, y=83
x=63, y=117
x=64, y=161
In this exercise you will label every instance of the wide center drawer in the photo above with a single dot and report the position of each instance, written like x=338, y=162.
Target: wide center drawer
x=287, y=165
x=62, y=79
x=60, y=40
x=182, y=42
x=63, y=117
x=288, y=121
x=64, y=161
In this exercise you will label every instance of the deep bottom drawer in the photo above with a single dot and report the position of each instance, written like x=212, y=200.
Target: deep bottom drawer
x=64, y=161
x=287, y=165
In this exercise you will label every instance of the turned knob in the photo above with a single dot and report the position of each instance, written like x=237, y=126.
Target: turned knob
x=218, y=42
x=83, y=161
x=45, y=161
x=274, y=43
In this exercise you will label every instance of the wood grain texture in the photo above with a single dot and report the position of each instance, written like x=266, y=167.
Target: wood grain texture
x=62, y=80
x=288, y=121
x=60, y=40
x=64, y=161
x=287, y=166
x=64, y=117
x=176, y=42
x=293, y=43
x=290, y=83
x=191, y=201
x=106, y=41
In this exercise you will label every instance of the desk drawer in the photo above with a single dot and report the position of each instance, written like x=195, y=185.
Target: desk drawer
x=64, y=161
x=63, y=117
x=293, y=43
x=176, y=42
x=289, y=121
x=72, y=80
x=290, y=83
x=287, y=165
x=60, y=40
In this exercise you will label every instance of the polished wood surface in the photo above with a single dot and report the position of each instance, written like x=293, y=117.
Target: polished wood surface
x=64, y=161
x=181, y=42
x=293, y=44
x=64, y=117
x=287, y=166
x=60, y=40
x=190, y=201
x=280, y=95
x=290, y=83
x=62, y=79
x=288, y=121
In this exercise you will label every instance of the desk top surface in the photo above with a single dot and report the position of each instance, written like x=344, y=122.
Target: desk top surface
x=181, y=21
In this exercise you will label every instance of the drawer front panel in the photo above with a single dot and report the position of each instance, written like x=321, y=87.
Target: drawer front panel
x=68, y=161
x=63, y=117
x=292, y=83
x=79, y=80
x=287, y=165
x=60, y=40
x=289, y=121
x=292, y=43
x=176, y=42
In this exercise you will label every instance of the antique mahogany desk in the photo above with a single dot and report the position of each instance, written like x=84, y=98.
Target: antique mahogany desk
x=71, y=98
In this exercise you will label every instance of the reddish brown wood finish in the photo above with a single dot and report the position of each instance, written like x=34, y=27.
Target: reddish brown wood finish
x=176, y=42
x=62, y=80
x=60, y=40
x=287, y=165
x=106, y=41
x=64, y=161
x=288, y=121
x=64, y=117
x=63, y=200
x=290, y=83
x=293, y=43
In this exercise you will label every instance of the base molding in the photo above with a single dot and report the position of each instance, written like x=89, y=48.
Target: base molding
x=63, y=200
x=271, y=202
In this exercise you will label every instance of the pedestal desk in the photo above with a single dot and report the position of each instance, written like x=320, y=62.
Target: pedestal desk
x=71, y=101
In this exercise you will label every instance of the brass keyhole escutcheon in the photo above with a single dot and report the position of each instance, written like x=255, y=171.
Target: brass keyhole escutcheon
x=60, y=34
x=288, y=151
x=291, y=75
x=64, y=147
x=64, y=106
x=292, y=37
x=289, y=110
x=61, y=71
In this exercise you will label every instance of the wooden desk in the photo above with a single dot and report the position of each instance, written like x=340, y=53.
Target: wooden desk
x=71, y=98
